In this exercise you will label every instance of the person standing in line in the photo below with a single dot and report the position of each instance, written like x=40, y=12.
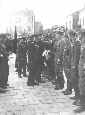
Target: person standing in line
x=21, y=58
x=51, y=62
x=40, y=44
x=31, y=62
x=4, y=67
x=81, y=99
x=59, y=48
x=67, y=66
x=75, y=57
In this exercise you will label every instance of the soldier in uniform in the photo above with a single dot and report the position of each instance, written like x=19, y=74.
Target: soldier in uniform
x=81, y=100
x=35, y=63
x=40, y=44
x=30, y=52
x=59, y=48
x=4, y=68
x=21, y=58
x=67, y=65
x=51, y=62
x=38, y=64
x=75, y=57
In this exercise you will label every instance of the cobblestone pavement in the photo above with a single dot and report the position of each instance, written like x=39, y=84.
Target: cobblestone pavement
x=20, y=99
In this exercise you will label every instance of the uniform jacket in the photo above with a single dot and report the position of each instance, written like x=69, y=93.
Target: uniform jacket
x=67, y=55
x=75, y=53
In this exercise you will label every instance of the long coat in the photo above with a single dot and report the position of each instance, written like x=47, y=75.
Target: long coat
x=82, y=72
x=75, y=57
x=59, y=49
x=4, y=68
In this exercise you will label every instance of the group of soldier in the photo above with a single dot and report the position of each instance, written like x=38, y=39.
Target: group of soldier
x=60, y=57
x=4, y=67
x=30, y=58
x=67, y=56
x=40, y=56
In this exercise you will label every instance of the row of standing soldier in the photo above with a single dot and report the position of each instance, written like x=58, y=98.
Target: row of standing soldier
x=32, y=51
x=64, y=55
x=68, y=61
x=4, y=67
x=35, y=59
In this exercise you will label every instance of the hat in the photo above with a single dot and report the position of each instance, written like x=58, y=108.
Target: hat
x=72, y=33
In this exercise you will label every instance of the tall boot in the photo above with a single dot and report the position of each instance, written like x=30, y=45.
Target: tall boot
x=68, y=91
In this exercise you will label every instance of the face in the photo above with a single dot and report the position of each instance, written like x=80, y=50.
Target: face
x=72, y=39
x=57, y=35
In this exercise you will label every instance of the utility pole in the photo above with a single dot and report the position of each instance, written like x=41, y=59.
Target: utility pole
x=83, y=21
x=33, y=24
x=70, y=24
x=15, y=40
x=66, y=26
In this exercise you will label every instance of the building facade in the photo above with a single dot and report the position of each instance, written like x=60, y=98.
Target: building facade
x=76, y=20
x=38, y=27
x=23, y=20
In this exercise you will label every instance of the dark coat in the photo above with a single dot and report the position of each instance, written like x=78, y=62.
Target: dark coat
x=4, y=68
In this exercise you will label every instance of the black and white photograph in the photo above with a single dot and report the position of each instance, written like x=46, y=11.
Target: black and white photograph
x=42, y=57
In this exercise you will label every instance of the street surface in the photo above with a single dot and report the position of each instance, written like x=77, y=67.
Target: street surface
x=20, y=99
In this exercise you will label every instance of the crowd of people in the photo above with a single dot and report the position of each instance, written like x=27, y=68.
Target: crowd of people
x=51, y=57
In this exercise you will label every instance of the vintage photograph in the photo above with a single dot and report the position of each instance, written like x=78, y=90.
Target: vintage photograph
x=42, y=57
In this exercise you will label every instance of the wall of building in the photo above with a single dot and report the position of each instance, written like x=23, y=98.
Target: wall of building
x=69, y=22
x=38, y=27
x=24, y=21
x=82, y=19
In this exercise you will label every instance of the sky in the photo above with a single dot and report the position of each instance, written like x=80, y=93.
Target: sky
x=49, y=12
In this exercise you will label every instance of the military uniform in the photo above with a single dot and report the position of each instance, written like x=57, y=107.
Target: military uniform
x=67, y=66
x=51, y=65
x=4, y=68
x=75, y=52
x=82, y=75
x=59, y=48
x=30, y=52
x=21, y=59
x=41, y=59
x=35, y=63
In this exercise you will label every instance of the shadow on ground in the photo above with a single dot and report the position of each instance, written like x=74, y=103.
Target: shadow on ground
x=3, y=90
x=80, y=109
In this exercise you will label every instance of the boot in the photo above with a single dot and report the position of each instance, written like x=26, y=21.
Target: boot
x=68, y=92
x=57, y=87
x=80, y=101
x=30, y=84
